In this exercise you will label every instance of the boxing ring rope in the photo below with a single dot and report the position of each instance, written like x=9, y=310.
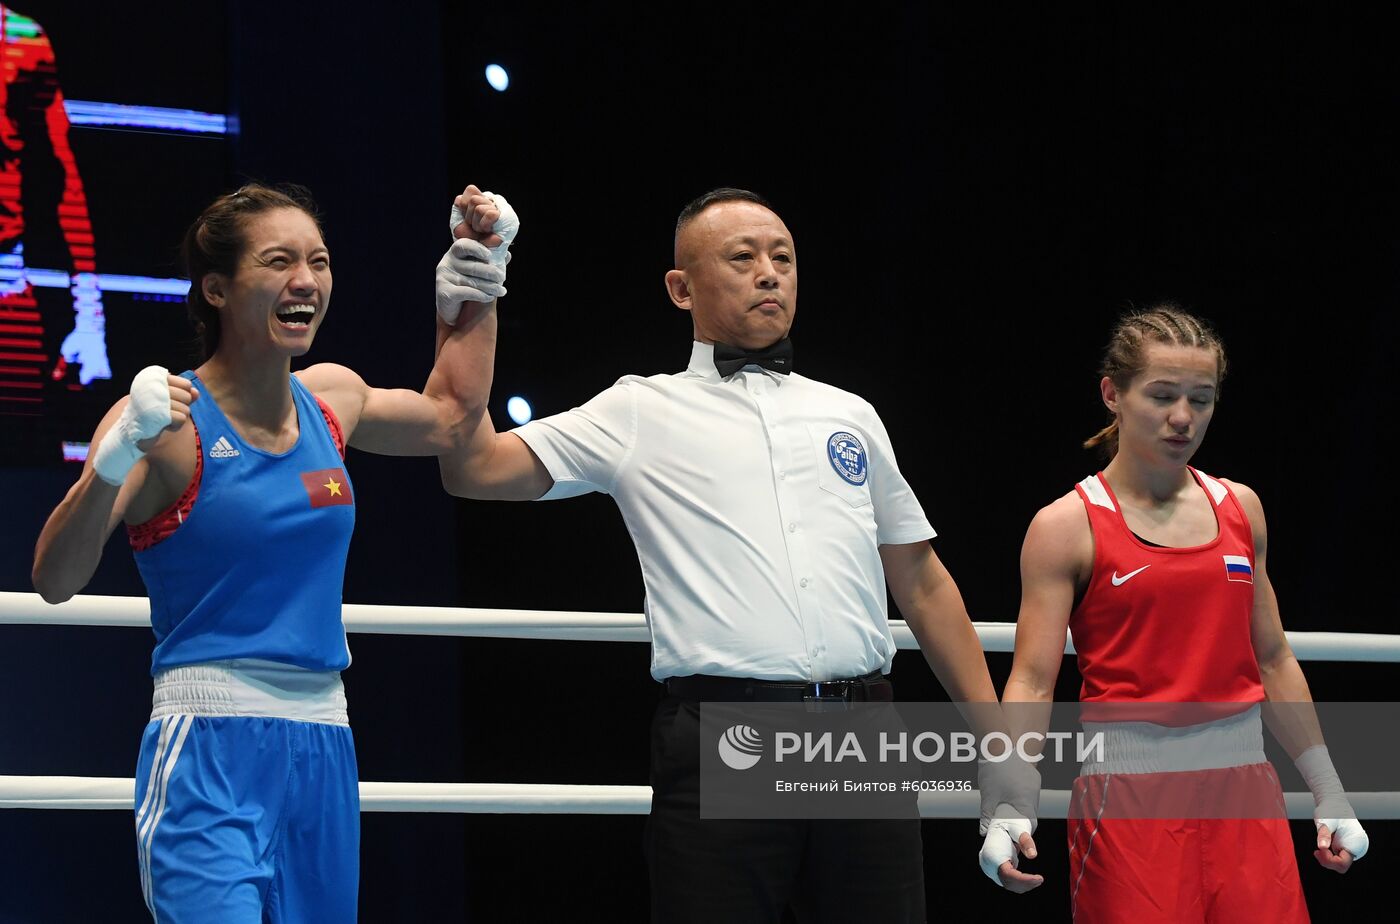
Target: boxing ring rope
x=92, y=610
x=68, y=792
x=96, y=792
x=105, y=792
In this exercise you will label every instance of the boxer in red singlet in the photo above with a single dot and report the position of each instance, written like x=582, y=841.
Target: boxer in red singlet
x=1159, y=572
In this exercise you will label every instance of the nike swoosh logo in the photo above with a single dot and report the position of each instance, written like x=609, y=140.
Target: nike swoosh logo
x=1120, y=581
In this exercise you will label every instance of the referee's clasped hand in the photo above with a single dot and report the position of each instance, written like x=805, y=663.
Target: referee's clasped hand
x=466, y=274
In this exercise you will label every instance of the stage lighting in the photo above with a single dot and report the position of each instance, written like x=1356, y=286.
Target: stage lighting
x=497, y=77
x=519, y=410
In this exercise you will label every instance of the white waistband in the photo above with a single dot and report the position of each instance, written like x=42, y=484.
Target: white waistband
x=250, y=687
x=1142, y=747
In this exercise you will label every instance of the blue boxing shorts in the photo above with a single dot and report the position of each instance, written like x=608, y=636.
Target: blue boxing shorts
x=242, y=816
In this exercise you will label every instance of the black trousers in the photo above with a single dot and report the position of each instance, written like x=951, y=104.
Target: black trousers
x=750, y=870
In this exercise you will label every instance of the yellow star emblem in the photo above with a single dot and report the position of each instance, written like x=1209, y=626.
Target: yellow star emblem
x=333, y=486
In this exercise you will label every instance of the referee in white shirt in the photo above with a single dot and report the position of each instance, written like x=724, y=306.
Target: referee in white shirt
x=768, y=514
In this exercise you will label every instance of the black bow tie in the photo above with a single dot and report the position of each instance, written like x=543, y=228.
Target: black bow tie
x=729, y=360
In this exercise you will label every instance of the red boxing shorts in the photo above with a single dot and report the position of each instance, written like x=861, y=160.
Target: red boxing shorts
x=1189, y=847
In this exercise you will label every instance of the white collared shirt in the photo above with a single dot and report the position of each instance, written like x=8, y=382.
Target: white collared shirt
x=757, y=504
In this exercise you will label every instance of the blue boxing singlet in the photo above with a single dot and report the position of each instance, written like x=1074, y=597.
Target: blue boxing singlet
x=256, y=568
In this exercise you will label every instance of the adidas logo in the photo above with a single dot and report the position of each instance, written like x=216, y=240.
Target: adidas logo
x=223, y=449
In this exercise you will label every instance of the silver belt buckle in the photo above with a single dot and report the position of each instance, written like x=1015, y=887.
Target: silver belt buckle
x=837, y=700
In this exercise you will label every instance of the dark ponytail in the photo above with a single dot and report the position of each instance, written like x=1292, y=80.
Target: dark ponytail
x=215, y=242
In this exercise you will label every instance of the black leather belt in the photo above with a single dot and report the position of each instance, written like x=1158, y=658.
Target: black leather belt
x=873, y=687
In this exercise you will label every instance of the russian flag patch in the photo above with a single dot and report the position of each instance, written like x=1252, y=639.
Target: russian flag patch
x=1237, y=568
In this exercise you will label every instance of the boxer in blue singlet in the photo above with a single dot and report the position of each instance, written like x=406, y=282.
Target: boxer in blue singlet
x=232, y=481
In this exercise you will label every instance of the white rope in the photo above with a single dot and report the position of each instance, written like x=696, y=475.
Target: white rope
x=91, y=792
x=105, y=792
x=93, y=610
x=60, y=792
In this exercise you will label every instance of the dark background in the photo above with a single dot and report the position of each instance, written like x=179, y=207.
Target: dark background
x=975, y=195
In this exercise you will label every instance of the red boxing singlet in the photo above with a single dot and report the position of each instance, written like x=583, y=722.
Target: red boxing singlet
x=1159, y=626
x=1162, y=624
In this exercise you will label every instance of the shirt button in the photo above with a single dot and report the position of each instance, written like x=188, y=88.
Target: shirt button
x=803, y=582
x=792, y=527
x=782, y=476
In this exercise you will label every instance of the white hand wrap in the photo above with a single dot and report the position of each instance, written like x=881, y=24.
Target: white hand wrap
x=1000, y=844
x=1010, y=792
x=1331, y=806
x=145, y=415
x=1009, y=788
x=507, y=226
x=473, y=272
x=466, y=274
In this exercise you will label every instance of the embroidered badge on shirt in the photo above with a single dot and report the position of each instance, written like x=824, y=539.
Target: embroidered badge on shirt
x=1237, y=568
x=847, y=457
x=327, y=487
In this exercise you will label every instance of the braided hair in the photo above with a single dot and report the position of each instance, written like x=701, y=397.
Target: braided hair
x=1126, y=354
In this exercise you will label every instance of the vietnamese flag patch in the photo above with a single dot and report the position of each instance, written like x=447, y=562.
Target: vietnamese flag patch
x=327, y=488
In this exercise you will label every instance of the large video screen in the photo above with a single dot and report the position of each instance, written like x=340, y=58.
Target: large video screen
x=113, y=135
